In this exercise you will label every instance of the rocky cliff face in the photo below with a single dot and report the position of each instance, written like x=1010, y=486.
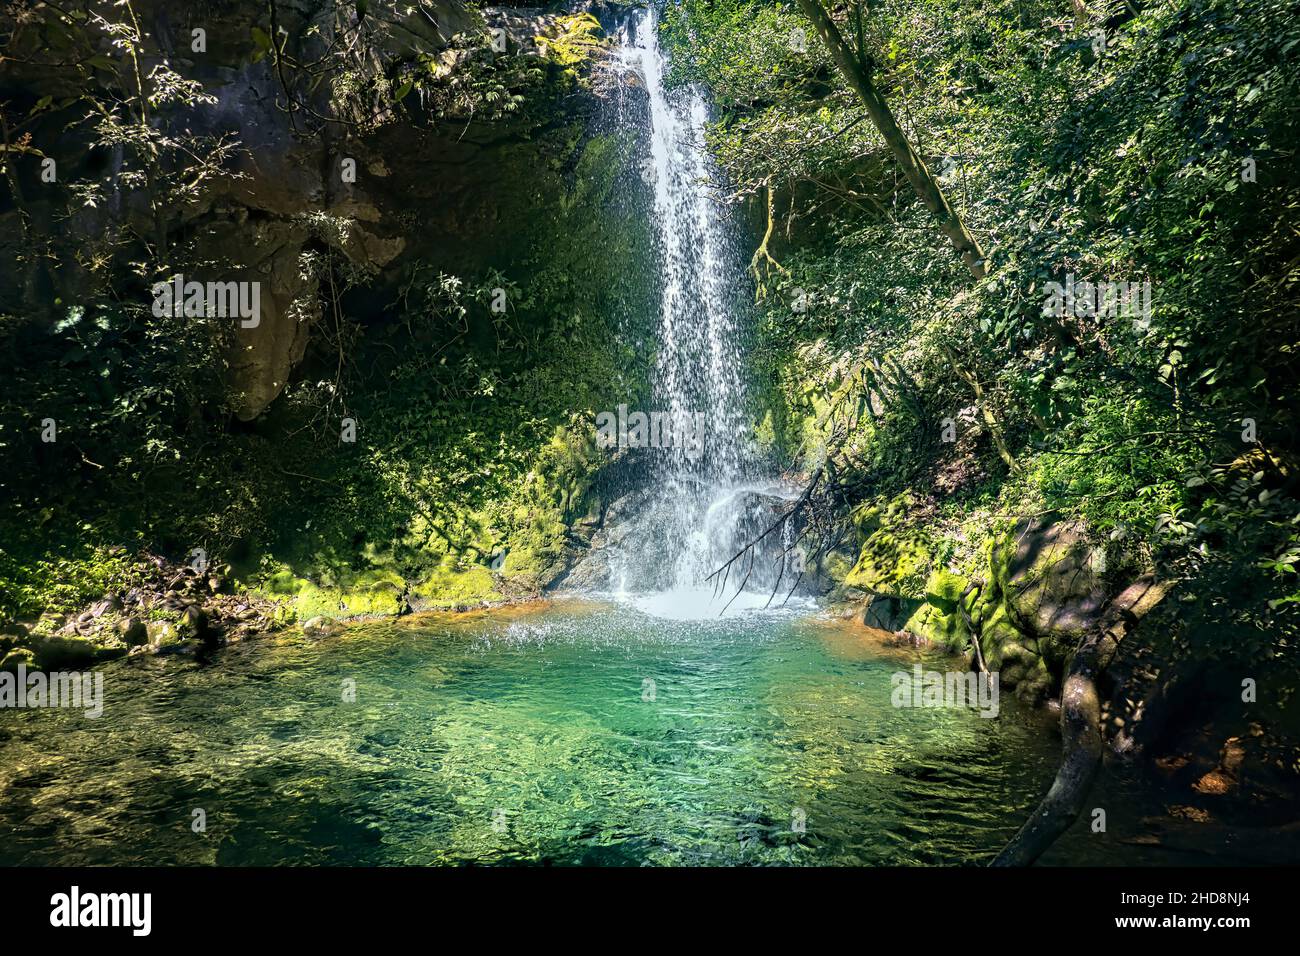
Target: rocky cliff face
x=354, y=130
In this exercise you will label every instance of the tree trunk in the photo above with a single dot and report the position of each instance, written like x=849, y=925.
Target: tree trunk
x=914, y=168
x=986, y=410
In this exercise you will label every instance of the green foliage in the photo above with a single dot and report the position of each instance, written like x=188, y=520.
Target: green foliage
x=60, y=583
x=575, y=39
x=472, y=419
x=1130, y=162
x=467, y=79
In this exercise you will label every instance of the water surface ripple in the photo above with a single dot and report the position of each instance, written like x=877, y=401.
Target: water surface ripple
x=579, y=734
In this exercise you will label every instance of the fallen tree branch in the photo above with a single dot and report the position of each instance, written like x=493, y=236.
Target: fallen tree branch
x=976, y=585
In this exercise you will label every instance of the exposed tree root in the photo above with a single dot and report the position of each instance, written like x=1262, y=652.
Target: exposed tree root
x=1081, y=730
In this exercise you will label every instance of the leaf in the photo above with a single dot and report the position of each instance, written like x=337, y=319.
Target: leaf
x=262, y=42
x=402, y=91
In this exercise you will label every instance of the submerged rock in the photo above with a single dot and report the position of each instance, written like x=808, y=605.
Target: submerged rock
x=321, y=626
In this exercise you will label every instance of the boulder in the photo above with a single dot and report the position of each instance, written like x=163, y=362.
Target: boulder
x=1013, y=655
x=1047, y=575
x=19, y=655
x=164, y=637
x=939, y=619
x=888, y=612
x=133, y=631
x=109, y=604
x=194, y=621
x=68, y=652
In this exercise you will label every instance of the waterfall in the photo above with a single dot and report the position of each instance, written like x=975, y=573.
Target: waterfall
x=703, y=506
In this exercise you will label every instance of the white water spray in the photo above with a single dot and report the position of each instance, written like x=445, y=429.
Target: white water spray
x=701, y=510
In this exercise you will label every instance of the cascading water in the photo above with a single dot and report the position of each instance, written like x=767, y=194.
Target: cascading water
x=704, y=506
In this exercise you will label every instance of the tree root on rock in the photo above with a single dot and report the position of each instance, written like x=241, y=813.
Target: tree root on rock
x=1081, y=730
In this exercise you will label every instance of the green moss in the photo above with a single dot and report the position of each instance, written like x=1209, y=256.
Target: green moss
x=1013, y=654
x=895, y=551
x=371, y=593
x=19, y=655
x=837, y=567
x=997, y=631
x=164, y=633
x=449, y=586
x=1006, y=648
x=939, y=620
x=765, y=433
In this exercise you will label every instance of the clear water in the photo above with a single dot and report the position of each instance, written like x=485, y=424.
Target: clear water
x=529, y=736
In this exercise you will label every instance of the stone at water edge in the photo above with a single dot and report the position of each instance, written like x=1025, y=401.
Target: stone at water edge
x=196, y=620
x=162, y=636
x=321, y=626
x=17, y=656
x=134, y=631
x=1047, y=575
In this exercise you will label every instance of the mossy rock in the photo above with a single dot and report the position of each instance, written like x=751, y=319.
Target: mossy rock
x=1047, y=573
x=1029, y=677
x=321, y=627
x=134, y=631
x=48, y=623
x=165, y=636
x=448, y=586
x=19, y=655
x=533, y=559
x=888, y=612
x=60, y=652
x=939, y=619
x=283, y=582
x=376, y=592
x=894, y=552
x=373, y=593
x=835, y=566
x=998, y=633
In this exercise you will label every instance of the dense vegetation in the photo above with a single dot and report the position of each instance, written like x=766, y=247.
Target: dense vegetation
x=461, y=386
x=1020, y=270
x=431, y=437
x=1112, y=141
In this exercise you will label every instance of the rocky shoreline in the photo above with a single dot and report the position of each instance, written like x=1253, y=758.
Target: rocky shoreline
x=174, y=608
x=170, y=609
